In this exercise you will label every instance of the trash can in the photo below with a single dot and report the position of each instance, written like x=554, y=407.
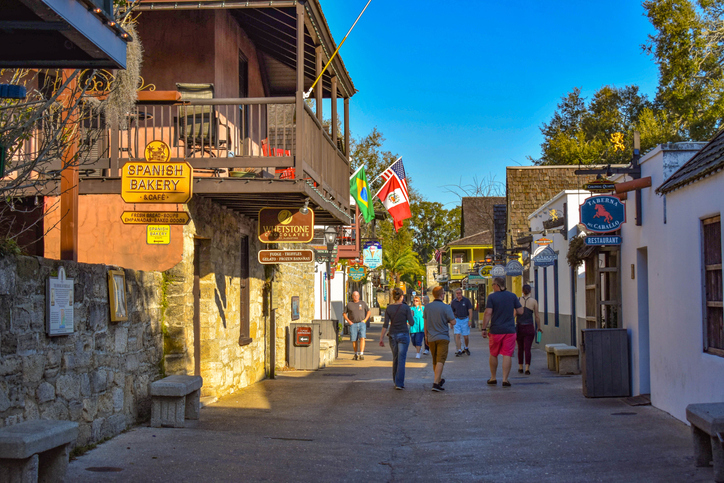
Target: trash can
x=303, y=345
x=605, y=363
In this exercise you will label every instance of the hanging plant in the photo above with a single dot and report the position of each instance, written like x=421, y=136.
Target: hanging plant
x=576, y=251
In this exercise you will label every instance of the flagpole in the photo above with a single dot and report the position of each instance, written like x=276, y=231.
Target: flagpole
x=355, y=173
x=388, y=167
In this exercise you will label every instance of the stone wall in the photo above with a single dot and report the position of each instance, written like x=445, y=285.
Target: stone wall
x=291, y=280
x=98, y=376
x=214, y=236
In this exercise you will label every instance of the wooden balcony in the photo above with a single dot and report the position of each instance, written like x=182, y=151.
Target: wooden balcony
x=246, y=153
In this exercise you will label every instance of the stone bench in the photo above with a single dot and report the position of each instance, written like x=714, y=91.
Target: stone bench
x=327, y=352
x=552, y=356
x=36, y=450
x=566, y=359
x=707, y=427
x=174, y=399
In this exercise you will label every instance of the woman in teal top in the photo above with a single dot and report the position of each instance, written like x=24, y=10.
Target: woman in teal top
x=417, y=331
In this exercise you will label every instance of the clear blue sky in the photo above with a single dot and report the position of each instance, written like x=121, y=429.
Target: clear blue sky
x=461, y=87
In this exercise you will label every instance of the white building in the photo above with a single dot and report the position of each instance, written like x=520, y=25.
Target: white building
x=554, y=287
x=677, y=345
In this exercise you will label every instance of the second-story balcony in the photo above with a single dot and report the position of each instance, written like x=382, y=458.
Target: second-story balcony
x=246, y=153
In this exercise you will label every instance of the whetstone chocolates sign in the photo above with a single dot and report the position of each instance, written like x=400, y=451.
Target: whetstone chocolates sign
x=285, y=225
x=603, y=214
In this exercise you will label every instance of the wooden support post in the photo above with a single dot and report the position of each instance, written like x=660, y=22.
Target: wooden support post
x=318, y=89
x=346, y=128
x=334, y=110
x=299, y=106
x=635, y=164
x=69, y=175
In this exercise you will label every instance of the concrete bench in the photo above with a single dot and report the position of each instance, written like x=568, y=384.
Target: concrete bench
x=174, y=399
x=552, y=356
x=707, y=427
x=566, y=359
x=36, y=450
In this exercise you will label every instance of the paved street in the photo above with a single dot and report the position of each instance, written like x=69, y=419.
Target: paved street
x=347, y=423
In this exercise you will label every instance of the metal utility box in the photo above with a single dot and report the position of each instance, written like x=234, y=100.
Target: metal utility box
x=304, y=356
x=605, y=363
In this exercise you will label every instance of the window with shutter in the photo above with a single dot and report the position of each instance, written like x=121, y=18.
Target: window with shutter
x=713, y=311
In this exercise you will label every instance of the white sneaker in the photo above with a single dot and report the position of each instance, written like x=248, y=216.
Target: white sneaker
x=427, y=352
x=417, y=356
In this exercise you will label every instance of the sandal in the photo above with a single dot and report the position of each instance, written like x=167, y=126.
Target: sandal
x=506, y=384
x=493, y=382
x=527, y=373
x=520, y=371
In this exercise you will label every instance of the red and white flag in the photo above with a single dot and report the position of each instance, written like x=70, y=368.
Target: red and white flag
x=393, y=193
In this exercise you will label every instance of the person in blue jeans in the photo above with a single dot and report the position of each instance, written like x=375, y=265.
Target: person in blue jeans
x=399, y=318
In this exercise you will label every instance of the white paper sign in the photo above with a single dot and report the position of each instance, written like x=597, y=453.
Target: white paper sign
x=59, y=305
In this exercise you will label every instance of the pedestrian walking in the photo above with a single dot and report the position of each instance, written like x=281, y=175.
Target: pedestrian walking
x=425, y=301
x=527, y=324
x=399, y=318
x=356, y=313
x=499, y=323
x=439, y=318
x=463, y=310
x=417, y=331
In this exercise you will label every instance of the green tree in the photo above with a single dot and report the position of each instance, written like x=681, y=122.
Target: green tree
x=398, y=256
x=433, y=227
x=688, y=50
x=580, y=132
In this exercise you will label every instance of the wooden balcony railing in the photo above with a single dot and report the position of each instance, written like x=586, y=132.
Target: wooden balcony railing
x=219, y=137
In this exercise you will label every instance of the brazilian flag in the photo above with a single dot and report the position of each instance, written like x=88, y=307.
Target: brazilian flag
x=360, y=191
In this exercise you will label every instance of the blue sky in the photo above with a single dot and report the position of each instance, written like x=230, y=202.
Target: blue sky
x=460, y=88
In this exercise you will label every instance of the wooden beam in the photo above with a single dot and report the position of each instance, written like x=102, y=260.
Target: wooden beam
x=334, y=110
x=318, y=89
x=346, y=128
x=69, y=175
x=299, y=149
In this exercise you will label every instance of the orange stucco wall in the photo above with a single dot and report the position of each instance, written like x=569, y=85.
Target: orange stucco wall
x=103, y=238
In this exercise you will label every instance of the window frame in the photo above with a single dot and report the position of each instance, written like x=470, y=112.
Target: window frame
x=705, y=269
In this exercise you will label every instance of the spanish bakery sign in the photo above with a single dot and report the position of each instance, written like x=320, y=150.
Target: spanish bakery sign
x=157, y=180
x=285, y=225
x=602, y=214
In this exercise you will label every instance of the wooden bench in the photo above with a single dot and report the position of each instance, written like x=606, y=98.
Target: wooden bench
x=707, y=427
x=566, y=360
x=175, y=399
x=552, y=356
x=36, y=450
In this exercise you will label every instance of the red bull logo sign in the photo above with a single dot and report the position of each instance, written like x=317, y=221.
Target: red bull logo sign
x=603, y=214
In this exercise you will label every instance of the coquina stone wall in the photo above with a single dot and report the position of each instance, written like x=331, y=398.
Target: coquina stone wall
x=213, y=346
x=214, y=236
x=99, y=376
x=289, y=281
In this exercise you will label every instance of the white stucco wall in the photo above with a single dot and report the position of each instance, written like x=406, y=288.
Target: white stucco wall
x=676, y=372
x=561, y=334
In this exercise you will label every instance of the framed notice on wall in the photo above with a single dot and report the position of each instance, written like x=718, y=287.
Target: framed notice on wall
x=295, y=307
x=59, y=304
x=117, y=295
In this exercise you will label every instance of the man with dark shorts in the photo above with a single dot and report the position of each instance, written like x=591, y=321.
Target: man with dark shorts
x=439, y=318
x=499, y=321
x=356, y=314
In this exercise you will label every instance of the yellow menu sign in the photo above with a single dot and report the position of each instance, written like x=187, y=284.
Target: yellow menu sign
x=155, y=217
x=156, y=182
x=158, y=234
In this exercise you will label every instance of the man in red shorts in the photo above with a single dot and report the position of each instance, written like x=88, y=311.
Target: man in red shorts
x=499, y=323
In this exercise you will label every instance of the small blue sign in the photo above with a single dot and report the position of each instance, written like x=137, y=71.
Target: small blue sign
x=514, y=269
x=544, y=257
x=497, y=271
x=603, y=214
x=597, y=241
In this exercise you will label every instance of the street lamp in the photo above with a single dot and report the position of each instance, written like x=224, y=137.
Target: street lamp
x=330, y=238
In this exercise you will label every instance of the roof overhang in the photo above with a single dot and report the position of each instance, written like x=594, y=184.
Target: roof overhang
x=272, y=26
x=59, y=34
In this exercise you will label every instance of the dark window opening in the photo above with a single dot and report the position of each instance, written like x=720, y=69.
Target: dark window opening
x=244, y=325
x=713, y=311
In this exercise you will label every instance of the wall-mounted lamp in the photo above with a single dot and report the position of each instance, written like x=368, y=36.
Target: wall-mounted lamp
x=305, y=209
